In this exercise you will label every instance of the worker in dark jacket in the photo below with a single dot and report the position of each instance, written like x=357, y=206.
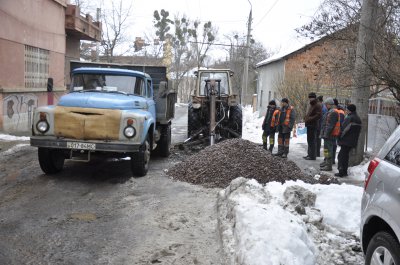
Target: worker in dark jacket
x=269, y=125
x=314, y=114
x=329, y=132
x=348, y=139
x=324, y=111
x=287, y=117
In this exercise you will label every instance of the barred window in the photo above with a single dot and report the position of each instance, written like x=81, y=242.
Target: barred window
x=36, y=67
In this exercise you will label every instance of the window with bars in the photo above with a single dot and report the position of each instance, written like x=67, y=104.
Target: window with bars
x=36, y=67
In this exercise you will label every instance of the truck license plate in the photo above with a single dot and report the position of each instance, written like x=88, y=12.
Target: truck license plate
x=81, y=146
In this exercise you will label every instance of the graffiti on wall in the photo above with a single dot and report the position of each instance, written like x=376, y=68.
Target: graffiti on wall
x=18, y=112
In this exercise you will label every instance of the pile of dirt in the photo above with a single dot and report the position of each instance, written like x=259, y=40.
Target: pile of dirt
x=218, y=165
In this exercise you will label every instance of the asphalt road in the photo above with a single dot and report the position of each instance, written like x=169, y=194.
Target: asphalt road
x=96, y=213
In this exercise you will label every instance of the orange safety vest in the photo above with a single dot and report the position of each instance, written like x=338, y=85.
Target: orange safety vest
x=274, y=120
x=336, y=129
x=287, y=118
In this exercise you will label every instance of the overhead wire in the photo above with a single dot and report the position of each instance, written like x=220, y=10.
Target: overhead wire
x=269, y=10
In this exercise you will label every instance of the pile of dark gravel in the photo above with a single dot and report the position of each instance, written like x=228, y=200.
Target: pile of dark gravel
x=218, y=165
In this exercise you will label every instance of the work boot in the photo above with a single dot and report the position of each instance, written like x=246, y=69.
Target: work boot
x=271, y=147
x=265, y=147
x=285, y=152
x=327, y=166
x=280, y=150
x=322, y=164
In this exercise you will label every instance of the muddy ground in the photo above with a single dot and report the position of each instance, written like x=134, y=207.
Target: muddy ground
x=96, y=213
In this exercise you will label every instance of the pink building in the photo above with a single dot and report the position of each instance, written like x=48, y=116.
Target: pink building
x=37, y=41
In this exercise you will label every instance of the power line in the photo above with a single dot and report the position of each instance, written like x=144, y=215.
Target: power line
x=217, y=44
x=269, y=10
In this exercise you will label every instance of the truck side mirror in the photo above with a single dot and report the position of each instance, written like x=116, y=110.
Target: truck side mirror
x=50, y=84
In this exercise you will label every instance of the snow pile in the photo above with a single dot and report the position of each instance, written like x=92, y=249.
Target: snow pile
x=256, y=231
x=252, y=125
x=280, y=224
x=7, y=137
x=358, y=172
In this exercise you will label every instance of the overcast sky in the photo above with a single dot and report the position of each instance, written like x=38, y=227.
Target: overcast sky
x=274, y=21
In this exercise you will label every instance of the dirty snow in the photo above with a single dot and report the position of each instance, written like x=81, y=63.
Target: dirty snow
x=14, y=149
x=258, y=226
x=8, y=137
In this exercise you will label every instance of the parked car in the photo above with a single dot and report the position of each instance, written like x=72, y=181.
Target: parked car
x=380, y=208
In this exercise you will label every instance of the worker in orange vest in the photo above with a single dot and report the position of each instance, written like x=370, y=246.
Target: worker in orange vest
x=330, y=131
x=340, y=110
x=287, y=117
x=269, y=126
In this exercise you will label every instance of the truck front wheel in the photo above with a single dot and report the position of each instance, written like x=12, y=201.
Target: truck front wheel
x=140, y=160
x=51, y=161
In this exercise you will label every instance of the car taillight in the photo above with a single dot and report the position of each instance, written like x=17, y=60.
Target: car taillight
x=371, y=168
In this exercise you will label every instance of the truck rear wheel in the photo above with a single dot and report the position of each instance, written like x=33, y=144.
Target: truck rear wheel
x=164, y=144
x=51, y=161
x=194, y=123
x=140, y=160
x=235, y=119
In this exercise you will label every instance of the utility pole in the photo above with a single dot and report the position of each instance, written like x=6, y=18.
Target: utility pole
x=244, y=94
x=362, y=72
x=98, y=11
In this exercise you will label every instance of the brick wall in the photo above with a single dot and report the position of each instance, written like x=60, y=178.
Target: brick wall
x=325, y=66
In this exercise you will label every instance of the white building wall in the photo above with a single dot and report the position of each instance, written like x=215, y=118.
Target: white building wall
x=268, y=76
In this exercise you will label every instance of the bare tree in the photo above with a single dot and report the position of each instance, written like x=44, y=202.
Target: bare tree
x=296, y=88
x=202, y=40
x=115, y=24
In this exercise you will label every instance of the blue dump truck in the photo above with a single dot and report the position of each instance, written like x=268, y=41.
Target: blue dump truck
x=113, y=110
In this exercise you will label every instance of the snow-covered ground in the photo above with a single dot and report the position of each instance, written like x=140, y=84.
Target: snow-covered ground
x=8, y=137
x=292, y=223
x=312, y=224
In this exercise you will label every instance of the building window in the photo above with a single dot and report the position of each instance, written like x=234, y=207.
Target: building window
x=261, y=98
x=36, y=67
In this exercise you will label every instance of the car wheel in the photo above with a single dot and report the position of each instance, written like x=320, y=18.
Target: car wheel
x=383, y=249
x=51, y=161
x=140, y=160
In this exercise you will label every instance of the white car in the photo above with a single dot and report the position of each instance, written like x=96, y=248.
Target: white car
x=380, y=209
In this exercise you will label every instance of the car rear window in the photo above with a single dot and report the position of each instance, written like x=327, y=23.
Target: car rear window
x=394, y=155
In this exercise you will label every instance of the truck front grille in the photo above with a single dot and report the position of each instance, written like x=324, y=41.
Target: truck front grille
x=87, y=123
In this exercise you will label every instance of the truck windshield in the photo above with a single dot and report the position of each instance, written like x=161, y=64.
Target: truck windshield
x=224, y=86
x=108, y=83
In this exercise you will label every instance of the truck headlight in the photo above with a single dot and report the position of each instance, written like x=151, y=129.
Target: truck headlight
x=129, y=132
x=42, y=126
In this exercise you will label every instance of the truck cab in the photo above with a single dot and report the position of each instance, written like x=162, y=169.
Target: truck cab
x=112, y=111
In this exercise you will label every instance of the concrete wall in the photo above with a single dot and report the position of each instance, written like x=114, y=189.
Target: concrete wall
x=41, y=24
x=268, y=75
x=380, y=127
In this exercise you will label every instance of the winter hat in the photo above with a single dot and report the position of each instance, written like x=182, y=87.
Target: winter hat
x=285, y=100
x=320, y=98
x=272, y=102
x=335, y=101
x=352, y=107
x=312, y=95
x=329, y=101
